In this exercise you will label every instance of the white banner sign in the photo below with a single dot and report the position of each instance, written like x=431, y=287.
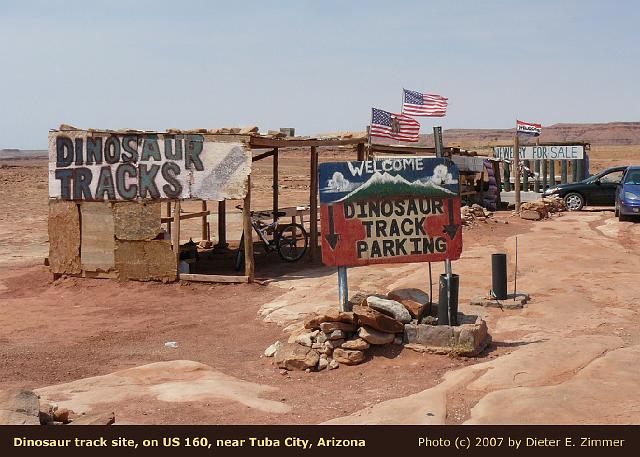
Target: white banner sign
x=149, y=166
x=540, y=152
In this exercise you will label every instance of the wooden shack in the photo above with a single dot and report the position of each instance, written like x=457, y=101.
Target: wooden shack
x=108, y=189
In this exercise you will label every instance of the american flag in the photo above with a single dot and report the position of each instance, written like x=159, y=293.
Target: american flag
x=417, y=104
x=528, y=128
x=395, y=126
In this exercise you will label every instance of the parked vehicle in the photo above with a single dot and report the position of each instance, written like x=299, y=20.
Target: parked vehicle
x=628, y=194
x=597, y=190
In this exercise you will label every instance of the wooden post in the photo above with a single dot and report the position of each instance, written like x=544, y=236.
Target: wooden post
x=563, y=172
x=313, y=204
x=248, y=233
x=275, y=184
x=205, y=230
x=552, y=173
x=516, y=169
x=176, y=233
x=544, y=174
x=574, y=170
x=361, y=156
x=222, y=225
x=169, y=215
x=498, y=178
x=580, y=169
x=536, y=169
x=507, y=176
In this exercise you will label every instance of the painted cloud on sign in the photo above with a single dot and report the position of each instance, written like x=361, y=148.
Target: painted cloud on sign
x=441, y=176
x=338, y=183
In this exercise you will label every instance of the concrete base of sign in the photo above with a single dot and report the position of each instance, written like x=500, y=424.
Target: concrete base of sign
x=513, y=301
x=467, y=339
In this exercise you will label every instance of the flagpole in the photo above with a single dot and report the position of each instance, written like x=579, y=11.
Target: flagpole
x=516, y=164
x=368, y=156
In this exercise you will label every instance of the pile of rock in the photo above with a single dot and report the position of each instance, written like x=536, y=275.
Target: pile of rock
x=332, y=338
x=474, y=213
x=543, y=208
x=402, y=317
x=23, y=407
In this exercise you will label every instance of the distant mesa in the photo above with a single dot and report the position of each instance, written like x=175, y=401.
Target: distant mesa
x=23, y=154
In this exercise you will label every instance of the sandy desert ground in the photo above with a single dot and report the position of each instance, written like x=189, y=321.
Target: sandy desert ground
x=569, y=357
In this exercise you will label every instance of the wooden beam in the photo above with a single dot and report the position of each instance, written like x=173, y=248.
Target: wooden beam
x=169, y=217
x=264, y=142
x=248, y=233
x=275, y=185
x=313, y=204
x=176, y=234
x=205, y=224
x=213, y=278
x=398, y=149
x=360, y=149
x=264, y=155
x=222, y=225
x=186, y=216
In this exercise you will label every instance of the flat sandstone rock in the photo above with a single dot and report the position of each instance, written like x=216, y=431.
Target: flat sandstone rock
x=390, y=307
x=376, y=320
x=373, y=336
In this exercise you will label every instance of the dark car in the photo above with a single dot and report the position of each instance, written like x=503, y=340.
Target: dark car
x=597, y=190
x=628, y=194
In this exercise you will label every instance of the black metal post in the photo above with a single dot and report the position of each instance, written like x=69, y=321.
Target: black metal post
x=499, y=276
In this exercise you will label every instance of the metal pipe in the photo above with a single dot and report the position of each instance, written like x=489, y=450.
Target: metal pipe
x=454, y=286
x=515, y=276
x=443, y=306
x=499, y=276
x=343, y=289
x=430, y=290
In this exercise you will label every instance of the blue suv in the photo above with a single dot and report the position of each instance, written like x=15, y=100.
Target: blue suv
x=628, y=194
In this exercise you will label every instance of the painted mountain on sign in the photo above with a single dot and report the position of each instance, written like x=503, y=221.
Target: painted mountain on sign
x=383, y=184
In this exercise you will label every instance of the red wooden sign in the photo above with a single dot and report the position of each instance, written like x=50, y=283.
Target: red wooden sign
x=389, y=211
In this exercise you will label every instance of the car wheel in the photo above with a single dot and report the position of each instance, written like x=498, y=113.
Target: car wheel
x=623, y=218
x=574, y=201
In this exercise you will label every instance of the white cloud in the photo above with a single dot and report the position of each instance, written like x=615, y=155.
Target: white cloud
x=338, y=183
x=442, y=176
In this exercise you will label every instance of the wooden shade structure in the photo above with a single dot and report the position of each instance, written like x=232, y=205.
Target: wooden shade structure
x=264, y=147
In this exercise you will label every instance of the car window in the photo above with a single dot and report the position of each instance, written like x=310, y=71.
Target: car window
x=633, y=177
x=614, y=176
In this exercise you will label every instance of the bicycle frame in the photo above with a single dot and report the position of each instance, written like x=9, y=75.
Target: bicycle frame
x=270, y=245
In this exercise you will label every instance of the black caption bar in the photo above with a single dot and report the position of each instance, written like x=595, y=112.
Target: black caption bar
x=321, y=440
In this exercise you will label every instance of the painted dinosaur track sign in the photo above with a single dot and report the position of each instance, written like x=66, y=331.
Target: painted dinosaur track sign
x=390, y=211
x=98, y=166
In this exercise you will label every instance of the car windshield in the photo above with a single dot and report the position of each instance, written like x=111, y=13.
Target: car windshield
x=633, y=177
x=606, y=176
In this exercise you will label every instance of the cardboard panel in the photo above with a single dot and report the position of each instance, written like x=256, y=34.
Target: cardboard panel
x=145, y=260
x=64, y=237
x=136, y=220
x=98, y=243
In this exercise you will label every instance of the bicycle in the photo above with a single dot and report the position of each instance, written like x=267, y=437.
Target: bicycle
x=285, y=237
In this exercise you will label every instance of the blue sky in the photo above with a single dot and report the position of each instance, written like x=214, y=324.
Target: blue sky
x=317, y=66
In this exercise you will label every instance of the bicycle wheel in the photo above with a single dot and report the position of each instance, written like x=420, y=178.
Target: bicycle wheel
x=292, y=242
x=240, y=255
